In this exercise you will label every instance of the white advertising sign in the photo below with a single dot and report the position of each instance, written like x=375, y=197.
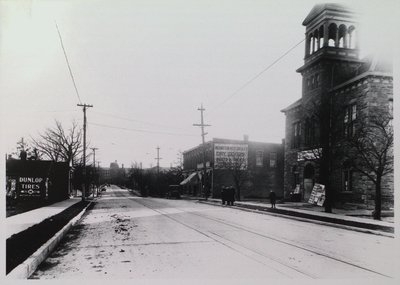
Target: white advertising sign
x=309, y=154
x=231, y=156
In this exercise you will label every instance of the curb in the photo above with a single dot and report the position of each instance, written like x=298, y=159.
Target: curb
x=331, y=221
x=25, y=269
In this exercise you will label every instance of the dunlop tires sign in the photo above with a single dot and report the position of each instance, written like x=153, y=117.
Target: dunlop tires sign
x=31, y=187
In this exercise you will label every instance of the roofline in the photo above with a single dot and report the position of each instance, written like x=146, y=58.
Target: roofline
x=292, y=106
x=361, y=76
x=233, y=141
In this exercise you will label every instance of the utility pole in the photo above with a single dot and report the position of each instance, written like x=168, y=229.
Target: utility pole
x=158, y=160
x=94, y=166
x=203, y=134
x=84, y=148
x=158, y=167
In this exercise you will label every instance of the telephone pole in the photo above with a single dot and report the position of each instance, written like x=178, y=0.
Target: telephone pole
x=94, y=166
x=203, y=134
x=85, y=106
x=158, y=168
x=158, y=160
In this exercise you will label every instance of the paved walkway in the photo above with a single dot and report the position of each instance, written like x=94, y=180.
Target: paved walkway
x=21, y=222
x=353, y=217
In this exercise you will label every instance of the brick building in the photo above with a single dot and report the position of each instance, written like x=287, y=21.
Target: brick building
x=261, y=167
x=339, y=90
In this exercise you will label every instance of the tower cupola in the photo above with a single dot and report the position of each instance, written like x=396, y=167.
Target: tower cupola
x=331, y=30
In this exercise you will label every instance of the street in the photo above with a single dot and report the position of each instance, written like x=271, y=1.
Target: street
x=125, y=236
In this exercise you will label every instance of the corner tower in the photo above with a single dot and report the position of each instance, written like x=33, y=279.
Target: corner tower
x=331, y=49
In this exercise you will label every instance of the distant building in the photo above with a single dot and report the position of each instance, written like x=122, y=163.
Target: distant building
x=154, y=169
x=104, y=175
x=334, y=73
x=113, y=174
x=261, y=163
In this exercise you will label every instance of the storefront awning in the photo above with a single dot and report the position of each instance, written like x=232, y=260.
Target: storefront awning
x=188, y=179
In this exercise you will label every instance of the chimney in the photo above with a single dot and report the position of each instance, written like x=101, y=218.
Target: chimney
x=246, y=138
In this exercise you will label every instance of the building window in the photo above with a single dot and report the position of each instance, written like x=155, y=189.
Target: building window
x=350, y=116
x=296, y=134
x=272, y=159
x=309, y=132
x=347, y=175
x=259, y=158
x=313, y=82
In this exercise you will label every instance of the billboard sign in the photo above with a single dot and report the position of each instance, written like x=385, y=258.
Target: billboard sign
x=31, y=186
x=231, y=156
x=309, y=154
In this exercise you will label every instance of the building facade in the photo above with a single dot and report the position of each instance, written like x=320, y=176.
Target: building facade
x=339, y=93
x=253, y=168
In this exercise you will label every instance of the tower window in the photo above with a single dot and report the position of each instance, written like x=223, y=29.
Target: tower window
x=350, y=116
x=309, y=132
x=296, y=135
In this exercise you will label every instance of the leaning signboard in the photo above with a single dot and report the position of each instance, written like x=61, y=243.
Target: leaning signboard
x=317, y=196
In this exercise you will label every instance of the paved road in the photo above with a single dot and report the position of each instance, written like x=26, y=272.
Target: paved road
x=125, y=236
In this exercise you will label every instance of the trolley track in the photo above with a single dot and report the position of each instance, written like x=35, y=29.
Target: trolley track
x=249, y=251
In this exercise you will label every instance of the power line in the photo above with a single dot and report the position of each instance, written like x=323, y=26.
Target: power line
x=142, y=131
x=256, y=76
x=69, y=67
x=138, y=121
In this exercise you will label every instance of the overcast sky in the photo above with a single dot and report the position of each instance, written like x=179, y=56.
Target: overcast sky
x=146, y=66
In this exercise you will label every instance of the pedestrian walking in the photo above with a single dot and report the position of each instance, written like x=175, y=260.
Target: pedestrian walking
x=272, y=198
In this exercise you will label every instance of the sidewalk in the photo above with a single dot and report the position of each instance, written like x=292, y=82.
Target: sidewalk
x=357, y=218
x=23, y=221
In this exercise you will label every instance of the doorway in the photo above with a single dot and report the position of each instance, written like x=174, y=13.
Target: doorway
x=308, y=180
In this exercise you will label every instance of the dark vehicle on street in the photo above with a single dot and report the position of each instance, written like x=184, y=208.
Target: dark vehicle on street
x=174, y=191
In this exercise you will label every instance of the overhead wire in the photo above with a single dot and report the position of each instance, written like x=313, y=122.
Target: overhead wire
x=223, y=102
x=68, y=64
x=142, y=131
x=256, y=76
x=138, y=121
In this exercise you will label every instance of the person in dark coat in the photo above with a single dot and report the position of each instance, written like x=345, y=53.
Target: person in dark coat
x=231, y=195
x=223, y=195
x=272, y=198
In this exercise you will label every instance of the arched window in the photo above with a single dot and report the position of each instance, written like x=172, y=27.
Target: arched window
x=332, y=30
x=316, y=40
x=352, y=37
x=310, y=44
x=342, y=36
x=321, y=36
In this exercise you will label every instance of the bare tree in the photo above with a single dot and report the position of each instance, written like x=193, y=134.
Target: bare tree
x=236, y=165
x=58, y=144
x=325, y=112
x=371, y=150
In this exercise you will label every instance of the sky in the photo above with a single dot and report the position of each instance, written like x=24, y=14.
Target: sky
x=147, y=66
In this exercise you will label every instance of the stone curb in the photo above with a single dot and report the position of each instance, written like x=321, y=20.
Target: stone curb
x=25, y=269
x=337, y=222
